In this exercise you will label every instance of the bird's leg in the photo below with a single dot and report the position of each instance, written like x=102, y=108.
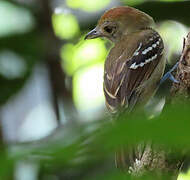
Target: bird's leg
x=169, y=75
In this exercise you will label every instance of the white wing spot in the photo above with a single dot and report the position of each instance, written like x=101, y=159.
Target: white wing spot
x=148, y=60
x=134, y=66
x=151, y=59
x=136, y=53
x=154, y=45
x=139, y=47
x=145, y=51
x=141, y=64
x=151, y=47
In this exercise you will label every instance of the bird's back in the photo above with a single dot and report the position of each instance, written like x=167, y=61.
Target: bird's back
x=122, y=81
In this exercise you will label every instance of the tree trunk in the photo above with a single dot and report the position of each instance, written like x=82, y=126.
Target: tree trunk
x=182, y=89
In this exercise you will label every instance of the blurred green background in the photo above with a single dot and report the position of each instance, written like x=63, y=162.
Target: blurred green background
x=51, y=97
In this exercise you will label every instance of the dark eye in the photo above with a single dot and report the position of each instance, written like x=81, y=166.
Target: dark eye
x=108, y=29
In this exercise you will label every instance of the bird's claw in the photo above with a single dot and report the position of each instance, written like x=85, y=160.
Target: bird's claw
x=172, y=78
x=169, y=75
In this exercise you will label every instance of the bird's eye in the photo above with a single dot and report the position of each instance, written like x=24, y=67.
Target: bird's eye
x=108, y=29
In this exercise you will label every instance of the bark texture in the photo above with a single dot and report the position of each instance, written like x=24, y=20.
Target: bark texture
x=183, y=72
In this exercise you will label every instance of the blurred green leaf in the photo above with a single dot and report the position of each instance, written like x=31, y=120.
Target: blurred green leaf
x=14, y=19
x=28, y=48
x=87, y=88
x=82, y=54
x=65, y=25
x=92, y=149
x=173, y=10
x=88, y=5
x=132, y=2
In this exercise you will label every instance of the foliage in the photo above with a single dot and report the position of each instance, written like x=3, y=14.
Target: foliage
x=89, y=153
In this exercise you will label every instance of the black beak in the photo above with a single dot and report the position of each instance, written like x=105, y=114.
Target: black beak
x=92, y=34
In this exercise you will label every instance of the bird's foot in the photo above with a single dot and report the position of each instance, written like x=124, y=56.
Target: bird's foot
x=169, y=75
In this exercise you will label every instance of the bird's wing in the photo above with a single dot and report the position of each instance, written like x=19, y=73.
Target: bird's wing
x=120, y=86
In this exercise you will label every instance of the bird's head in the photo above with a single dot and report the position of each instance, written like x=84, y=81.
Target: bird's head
x=120, y=21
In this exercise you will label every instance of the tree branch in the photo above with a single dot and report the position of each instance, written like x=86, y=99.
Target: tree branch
x=182, y=89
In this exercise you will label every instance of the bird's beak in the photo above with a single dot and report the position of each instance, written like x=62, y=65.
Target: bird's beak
x=93, y=34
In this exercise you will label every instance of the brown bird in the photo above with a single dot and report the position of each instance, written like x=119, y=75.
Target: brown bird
x=135, y=64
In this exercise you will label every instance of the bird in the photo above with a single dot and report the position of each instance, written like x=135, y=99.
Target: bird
x=135, y=64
